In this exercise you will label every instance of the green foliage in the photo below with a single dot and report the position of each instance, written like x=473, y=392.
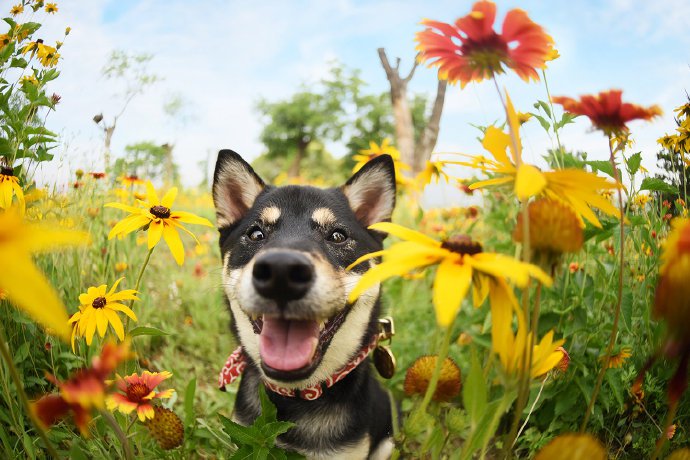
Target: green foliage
x=258, y=440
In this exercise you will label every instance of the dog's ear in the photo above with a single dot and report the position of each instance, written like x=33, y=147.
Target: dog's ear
x=371, y=191
x=235, y=187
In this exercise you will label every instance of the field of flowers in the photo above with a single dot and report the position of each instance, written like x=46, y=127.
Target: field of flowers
x=551, y=322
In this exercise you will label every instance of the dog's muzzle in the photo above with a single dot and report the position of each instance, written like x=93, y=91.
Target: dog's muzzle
x=282, y=276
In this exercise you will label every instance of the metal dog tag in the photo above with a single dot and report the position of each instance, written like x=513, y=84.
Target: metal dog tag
x=384, y=360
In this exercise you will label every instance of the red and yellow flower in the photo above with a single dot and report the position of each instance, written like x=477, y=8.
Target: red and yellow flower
x=138, y=392
x=607, y=111
x=470, y=49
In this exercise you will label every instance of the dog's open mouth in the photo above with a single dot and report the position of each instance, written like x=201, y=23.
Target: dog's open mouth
x=291, y=349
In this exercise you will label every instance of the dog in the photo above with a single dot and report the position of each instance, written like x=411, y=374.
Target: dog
x=285, y=251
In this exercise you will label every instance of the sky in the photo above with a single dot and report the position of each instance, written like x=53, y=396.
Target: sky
x=221, y=57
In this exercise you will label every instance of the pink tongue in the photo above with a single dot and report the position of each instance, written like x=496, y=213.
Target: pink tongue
x=288, y=345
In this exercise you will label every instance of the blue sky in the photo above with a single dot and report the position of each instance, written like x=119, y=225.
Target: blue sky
x=222, y=56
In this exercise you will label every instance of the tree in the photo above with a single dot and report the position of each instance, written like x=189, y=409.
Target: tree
x=414, y=152
x=307, y=116
x=133, y=70
x=147, y=159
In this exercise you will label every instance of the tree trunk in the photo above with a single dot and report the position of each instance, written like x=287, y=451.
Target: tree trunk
x=415, y=155
x=169, y=165
x=402, y=115
x=296, y=165
x=427, y=140
x=108, y=130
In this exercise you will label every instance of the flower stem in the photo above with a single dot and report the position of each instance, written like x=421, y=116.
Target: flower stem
x=107, y=416
x=531, y=409
x=617, y=313
x=441, y=357
x=6, y=355
x=138, y=283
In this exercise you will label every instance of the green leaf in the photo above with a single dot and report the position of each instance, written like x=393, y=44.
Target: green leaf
x=269, y=413
x=273, y=429
x=147, y=330
x=6, y=52
x=543, y=122
x=544, y=106
x=76, y=452
x=243, y=453
x=19, y=63
x=474, y=392
x=633, y=163
x=5, y=147
x=565, y=120
x=189, y=394
x=626, y=309
x=242, y=435
x=603, y=166
x=655, y=184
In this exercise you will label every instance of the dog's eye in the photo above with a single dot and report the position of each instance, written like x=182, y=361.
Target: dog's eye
x=337, y=236
x=255, y=234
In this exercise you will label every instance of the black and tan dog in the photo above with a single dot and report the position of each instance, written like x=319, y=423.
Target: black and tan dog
x=285, y=250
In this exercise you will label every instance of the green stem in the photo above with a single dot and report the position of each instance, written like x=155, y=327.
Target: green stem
x=138, y=283
x=553, y=118
x=617, y=313
x=6, y=355
x=441, y=357
x=107, y=416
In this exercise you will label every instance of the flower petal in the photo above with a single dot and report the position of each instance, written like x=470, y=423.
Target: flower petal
x=155, y=233
x=189, y=218
x=529, y=182
x=451, y=284
x=151, y=194
x=169, y=198
x=404, y=233
x=172, y=238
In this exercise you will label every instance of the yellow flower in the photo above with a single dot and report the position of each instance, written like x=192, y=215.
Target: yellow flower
x=376, y=150
x=573, y=447
x=418, y=376
x=553, y=227
x=616, y=360
x=641, y=200
x=575, y=187
x=511, y=347
x=121, y=266
x=672, y=300
x=9, y=187
x=159, y=219
x=23, y=283
x=99, y=308
x=17, y=9
x=4, y=40
x=432, y=173
x=51, y=8
x=461, y=264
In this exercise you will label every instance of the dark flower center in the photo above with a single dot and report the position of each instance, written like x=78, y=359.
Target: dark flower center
x=137, y=391
x=160, y=211
x=462, y=244
x=5, y=171
x=98, y=302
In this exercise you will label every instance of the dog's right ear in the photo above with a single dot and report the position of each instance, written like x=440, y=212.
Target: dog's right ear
x=235, y=187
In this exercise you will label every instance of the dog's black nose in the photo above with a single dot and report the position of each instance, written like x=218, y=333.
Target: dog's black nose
x=282, y=275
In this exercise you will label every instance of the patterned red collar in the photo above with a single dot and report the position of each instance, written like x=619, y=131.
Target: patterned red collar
x=237, y=362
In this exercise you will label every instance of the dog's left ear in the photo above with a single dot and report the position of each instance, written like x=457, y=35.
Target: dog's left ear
x=235, y=187
x=371, y=191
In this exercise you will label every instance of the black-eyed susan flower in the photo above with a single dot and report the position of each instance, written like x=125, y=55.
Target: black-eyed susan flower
x=25, y=286
x=17, y=9
x=419, y=375
x=159, y=219
x=166, y=428
x=51, y=8
x=376, y=150
x=461, y=264
x=577, y=188
x=607, y=111
x=83, y=392
x=553, y=227
x=9, y=188
x=617, y=359
x=98, y=308
x=573, y=447
x=511, y=347
x=136, y=392
x=470, y=50
x=431, y=174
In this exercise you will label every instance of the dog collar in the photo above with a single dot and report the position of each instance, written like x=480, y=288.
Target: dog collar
x=237, y=362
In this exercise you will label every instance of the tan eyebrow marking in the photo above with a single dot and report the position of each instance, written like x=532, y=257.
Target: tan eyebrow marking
x=323, y=217
x=270, y=215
